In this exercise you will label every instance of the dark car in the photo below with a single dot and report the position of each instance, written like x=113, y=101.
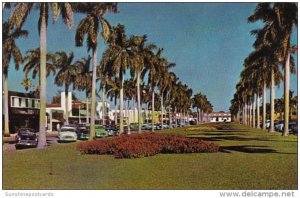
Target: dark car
x=26, y=137
x=112, y=130
x=83, y=133
x=293, y=128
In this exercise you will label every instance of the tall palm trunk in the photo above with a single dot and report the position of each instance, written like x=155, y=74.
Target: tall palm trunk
x=152, y=128
x=170, y=117
x=264, y=107
x=43, y=51
x=139, y=101
x=175, y=112
x=257, y=111
x=272, y=96
x=197, y=115
x=66, y=104
x=121, y=106
x=116, y=111
x=162, y=109
x=238, y=115
x=243, y=115
x=128, y=116
x=6, y=102
x=93, y=105
x=246, y=114
x=87, y=109
x=286, y=94
x=133, y=107
x=103, y=105
x=253, y=111
x=250, y=114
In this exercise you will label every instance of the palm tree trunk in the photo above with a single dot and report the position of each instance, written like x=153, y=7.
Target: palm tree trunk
x=93, y=105
x=264, y=107
x=116, y=111
x=66, y=105
x=103, y=105
x=139, y=101
x=250, y=114
x=133, y=107
x=286, y=94
x=162, y=109
x=6, y=102
x=246, y=114
x=43, y=51
x=175, y=112
x=128, y=116
x=121, y=106
x=170, y=117
x=257, y=111
x=153, y=95
x=87, y=110
x=253, y=112
x=238, y=115
x=272, y=96
x=197, y=115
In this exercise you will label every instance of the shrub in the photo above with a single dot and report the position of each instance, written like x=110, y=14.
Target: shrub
x=146, y=144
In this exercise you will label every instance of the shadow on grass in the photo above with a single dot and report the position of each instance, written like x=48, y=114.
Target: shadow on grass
x=250, y=149
x=231, y=138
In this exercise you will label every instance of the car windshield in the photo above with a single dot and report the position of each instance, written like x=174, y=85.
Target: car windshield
x=26, y=131
x=67, y=129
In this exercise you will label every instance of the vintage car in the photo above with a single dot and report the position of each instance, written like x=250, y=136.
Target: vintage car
x=67, y=134
x=112, y=130
x=100, y=131
x=26, y=137
x=83, y=132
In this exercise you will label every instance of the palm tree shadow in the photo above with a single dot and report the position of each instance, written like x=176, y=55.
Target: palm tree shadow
x=249, y=149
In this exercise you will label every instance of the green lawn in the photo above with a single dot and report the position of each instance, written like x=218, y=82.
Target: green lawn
x=248, y=159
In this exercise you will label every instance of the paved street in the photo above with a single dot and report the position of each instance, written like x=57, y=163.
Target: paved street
x=10, y=146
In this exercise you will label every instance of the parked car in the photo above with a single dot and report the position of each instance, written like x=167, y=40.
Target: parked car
x=268, y=122
x=279, y=126
x=146, y=127
x=293, y=128
x=67, y=134
x=134, y=127
x=26, y=137
x=112, y=130
x=100, y=131
x=83, y=133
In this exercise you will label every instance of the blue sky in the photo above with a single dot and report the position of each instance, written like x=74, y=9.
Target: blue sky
x=207, y=41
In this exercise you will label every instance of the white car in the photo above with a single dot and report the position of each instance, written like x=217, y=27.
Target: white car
x=67, y=134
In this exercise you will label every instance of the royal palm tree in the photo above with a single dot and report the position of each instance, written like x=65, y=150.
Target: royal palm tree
x=90, y=26
x=17, y=18
x=66, y=75
x=280, y=18
x=141, y=52
x=116, y=61
x=32, y=63
x=10, y=50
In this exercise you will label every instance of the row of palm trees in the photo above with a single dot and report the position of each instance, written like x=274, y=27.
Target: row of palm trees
x=272, y=48
x=149, y=70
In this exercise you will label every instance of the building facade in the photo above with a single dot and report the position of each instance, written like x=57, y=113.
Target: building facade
x=220, y=117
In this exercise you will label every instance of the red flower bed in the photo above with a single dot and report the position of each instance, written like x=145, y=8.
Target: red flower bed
x=146, y=144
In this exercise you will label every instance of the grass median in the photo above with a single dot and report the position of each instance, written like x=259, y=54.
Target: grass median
x=248, y=159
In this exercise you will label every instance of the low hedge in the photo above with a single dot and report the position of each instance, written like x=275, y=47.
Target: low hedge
x=146, y=144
